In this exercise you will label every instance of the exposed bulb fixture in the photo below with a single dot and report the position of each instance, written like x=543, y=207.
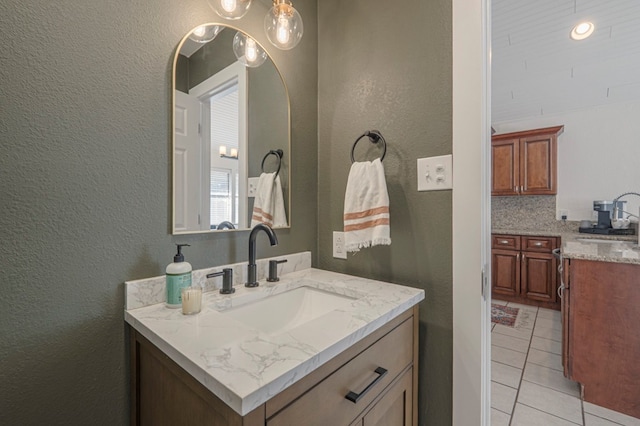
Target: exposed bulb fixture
x=582, y=30
x=223, y=153
x=283, y=25
x=248, y=51
x=230, y=9
x=205, y=33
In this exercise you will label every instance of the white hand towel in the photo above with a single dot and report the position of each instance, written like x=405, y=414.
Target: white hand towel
x=268, y=205
x=366, y=207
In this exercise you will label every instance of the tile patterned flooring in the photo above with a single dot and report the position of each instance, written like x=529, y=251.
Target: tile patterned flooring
x=528, y=387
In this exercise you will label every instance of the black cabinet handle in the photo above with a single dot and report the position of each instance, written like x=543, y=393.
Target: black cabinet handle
x=355, y=397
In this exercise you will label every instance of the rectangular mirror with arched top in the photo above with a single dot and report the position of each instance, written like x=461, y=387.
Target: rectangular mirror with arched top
x=231, y=114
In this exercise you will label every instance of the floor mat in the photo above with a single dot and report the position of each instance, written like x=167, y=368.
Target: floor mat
x=504, y=315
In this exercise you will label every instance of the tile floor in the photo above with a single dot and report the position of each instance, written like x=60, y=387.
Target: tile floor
x=528, y=386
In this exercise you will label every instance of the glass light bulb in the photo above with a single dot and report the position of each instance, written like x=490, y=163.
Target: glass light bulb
x=283, y=25
x=229, y=5
x=230, y=9
x=282, y=30
x=250, y=50
x=199, y=32
x=205, y=33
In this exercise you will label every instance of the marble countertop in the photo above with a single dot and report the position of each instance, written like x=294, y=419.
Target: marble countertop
x=245, y=367
x=575, y=245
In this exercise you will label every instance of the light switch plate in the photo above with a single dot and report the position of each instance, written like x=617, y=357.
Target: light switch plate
x=252, y=186
x=435, y=173
x=339, y=251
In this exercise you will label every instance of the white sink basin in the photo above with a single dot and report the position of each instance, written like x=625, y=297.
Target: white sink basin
x=288, y=310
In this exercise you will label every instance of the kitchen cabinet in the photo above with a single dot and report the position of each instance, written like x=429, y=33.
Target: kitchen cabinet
x=379, y=373
x=525, y=163
x=601, y=343
x=524, y=269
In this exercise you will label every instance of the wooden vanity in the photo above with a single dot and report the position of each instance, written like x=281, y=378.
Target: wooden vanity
x=162, y=393
x=346, y=361
x=601, y=332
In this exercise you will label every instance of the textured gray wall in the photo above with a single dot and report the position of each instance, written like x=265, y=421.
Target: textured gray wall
x=85, y=166
x=387, y=66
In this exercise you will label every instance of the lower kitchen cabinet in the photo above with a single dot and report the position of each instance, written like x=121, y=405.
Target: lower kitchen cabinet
x=524, y=270
x=379, y=374
x=601, y=343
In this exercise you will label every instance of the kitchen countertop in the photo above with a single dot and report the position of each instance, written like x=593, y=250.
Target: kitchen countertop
x=245, y=367
x=575, y=245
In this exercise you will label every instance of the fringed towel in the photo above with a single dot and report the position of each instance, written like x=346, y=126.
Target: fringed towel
x=366, y=207
x=268, y=205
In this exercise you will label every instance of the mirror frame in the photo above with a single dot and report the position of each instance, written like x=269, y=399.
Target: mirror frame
x=287, y=192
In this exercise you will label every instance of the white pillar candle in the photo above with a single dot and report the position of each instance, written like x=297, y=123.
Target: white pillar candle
x=191, y=300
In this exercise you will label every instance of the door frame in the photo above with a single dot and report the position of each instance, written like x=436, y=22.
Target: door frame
x=471, y=205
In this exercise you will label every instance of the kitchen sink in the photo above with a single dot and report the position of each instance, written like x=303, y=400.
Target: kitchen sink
x=286, y=311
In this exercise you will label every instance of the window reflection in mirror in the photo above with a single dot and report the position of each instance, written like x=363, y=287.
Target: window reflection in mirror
x=227, y=118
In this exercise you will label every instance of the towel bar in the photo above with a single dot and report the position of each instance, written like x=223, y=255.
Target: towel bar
x=278, y=153
x=374, y=137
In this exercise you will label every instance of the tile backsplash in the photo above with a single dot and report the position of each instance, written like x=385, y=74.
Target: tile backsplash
x=534, y=212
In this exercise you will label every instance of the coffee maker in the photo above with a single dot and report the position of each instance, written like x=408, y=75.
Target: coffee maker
x=606, y=211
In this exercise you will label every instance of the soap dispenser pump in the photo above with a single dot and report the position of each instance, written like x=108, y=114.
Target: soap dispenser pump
x=178, y=277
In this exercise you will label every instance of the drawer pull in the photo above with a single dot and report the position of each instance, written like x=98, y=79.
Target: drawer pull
x=354, y=397
x=504, y=241
x=538, y=244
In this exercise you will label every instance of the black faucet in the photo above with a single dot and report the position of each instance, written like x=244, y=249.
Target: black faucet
x=273, y=270
x=227, y=280
x=226, y=224
x=251, y=268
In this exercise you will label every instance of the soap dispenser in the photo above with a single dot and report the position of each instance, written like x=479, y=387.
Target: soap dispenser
x=178, y=277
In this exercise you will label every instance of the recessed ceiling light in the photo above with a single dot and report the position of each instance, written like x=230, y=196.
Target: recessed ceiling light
x=582, y=31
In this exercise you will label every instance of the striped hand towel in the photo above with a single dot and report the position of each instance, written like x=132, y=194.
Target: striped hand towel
x=366, y=207
x=268, y=205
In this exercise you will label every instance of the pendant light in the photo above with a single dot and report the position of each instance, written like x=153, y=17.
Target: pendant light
x=230, y=9
x=283, y=25
x=248, y=51
x=205, y=33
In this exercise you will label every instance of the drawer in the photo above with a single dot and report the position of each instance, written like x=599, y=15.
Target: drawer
x=539, y=244
x=326, y=403
x=508, y=242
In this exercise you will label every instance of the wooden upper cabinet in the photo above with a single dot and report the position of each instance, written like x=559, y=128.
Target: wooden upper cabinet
x=525, y=163
x=505, y=167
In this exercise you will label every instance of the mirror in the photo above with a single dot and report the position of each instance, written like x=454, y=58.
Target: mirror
x=231, y=133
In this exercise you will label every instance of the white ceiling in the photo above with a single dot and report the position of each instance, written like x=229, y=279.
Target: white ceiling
x=538, y=70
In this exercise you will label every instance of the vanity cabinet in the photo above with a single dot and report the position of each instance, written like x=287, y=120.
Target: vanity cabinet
x=525, y=163
x=379, y=373
x=601, y=343
x=524, y=269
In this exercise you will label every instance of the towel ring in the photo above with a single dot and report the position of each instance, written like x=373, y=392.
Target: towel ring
x=374, y=137
x=278, y=153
